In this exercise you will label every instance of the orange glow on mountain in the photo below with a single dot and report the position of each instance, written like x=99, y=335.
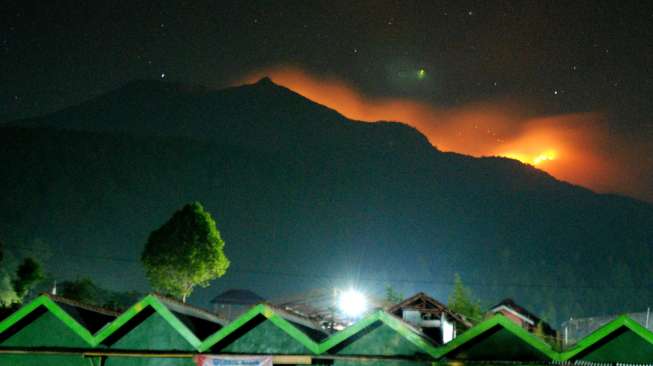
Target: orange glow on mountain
x=535, y=160
x=571, y=147
x=544, y=157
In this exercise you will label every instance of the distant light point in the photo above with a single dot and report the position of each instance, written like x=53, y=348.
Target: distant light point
x=163, y=75
x=421, y=74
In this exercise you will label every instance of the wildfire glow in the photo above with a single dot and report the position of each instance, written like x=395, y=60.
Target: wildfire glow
x=571, y=147
x=536, y=160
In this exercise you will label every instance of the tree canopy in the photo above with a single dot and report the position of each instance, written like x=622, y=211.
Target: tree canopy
x=392, y=296
x=83, y=290
x=28, y=274
x=86, y=291
x=186, y=251
x=463, y=302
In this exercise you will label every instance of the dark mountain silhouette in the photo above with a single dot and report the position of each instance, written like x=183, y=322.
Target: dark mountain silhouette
x=263, y=116
x=305, y=198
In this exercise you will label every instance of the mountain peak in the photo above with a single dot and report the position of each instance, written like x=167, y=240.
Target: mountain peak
x=265, y=81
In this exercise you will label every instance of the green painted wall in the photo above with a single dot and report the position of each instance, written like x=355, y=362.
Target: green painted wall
x=43, y=360
x=622, y=346
x=378, y=339
x=45, y=330
x=266, y=338
x=497, y=344
x=124, y=361
x=378, y=363
x=153, y=333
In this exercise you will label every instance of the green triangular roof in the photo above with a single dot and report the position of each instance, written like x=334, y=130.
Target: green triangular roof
x=44, y=301
x=153, y=302
x=276, y=317
x=402, y=328
x=621, y=340
x=498, y=338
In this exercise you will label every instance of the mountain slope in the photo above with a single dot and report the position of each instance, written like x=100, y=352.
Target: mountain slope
x=307, y=198
x=264, y=116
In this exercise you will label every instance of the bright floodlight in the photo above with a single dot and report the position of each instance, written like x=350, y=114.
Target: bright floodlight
x=352, y=303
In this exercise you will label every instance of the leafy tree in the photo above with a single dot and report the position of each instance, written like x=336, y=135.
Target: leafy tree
x=7, y=294
x=82, y=290
x=463, y=302
x=86, y=291
x=186, y=251
x=392, y=296
x=28, y=275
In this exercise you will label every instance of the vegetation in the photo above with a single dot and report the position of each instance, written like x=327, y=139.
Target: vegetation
x=82, y=290
x=86, y=291
x=8, y=296
x=392, y=296
x=463, y=302
x=185, y=252
x=29, y=274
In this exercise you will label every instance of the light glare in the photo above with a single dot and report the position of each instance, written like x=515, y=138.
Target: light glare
x=352, y=303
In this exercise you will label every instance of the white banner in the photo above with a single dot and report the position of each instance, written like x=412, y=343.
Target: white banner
x=209, y=360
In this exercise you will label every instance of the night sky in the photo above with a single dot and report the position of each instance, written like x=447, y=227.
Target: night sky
x=565, y=86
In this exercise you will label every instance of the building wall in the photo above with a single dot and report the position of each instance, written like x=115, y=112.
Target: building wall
x=43, y=360
x=378, y=339
x=153, y=333
x=132, y=361
x=262, y=338
x=44, y=330
x=515, y=318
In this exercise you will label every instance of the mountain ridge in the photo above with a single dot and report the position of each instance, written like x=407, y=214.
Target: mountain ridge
x=145, y=91
x=174, y=113
x=340, y=197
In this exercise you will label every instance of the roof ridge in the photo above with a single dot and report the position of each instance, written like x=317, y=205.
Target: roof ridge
x=183, y=304
x=423, y=296
x=297, y=318
x=89, y=307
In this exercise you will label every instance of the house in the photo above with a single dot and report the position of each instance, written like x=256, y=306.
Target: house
x=432, y=317
x=522, y=317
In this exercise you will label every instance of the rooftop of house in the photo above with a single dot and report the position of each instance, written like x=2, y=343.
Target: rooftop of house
x=531, y=318
x=426, y=304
